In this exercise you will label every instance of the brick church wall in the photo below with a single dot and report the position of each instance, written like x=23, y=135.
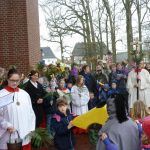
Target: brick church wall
x=19, y=34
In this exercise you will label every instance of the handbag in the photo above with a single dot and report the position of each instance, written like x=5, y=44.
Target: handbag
x=16, y=144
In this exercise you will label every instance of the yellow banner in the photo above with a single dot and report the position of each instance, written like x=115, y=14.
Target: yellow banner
x=96, y=115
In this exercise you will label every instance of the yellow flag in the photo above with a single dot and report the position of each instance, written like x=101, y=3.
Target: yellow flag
x=96, y=115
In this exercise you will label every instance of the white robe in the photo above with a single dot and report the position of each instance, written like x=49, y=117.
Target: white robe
x=144, y=87
x=80, y=99
x=21, y=117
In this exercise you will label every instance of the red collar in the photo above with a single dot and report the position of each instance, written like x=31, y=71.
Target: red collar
x=137, y=70
x=63, y=89
x=10, y=89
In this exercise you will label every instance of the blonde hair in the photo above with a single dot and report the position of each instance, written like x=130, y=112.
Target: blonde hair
x=79, y=79
x=140, y=110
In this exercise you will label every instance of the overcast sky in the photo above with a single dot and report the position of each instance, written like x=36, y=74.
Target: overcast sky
x=70, y=41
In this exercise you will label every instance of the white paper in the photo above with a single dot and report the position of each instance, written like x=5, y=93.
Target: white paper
x=6, y=99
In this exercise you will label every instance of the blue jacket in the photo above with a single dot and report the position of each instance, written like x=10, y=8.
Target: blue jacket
x=110, y=145
x=103, y=95
x=112, y=92
x=64, y=138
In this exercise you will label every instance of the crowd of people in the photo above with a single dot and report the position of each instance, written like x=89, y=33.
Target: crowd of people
x=53, y=102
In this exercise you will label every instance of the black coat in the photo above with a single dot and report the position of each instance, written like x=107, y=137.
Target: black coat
x=64, y=138
x=90, y=82
x=50, y=103
x=35, y=94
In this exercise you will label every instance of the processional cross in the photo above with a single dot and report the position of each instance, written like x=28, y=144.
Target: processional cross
x=137, y=56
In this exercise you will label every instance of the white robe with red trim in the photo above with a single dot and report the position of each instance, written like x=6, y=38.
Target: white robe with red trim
x=144, y=87
x=21, y=117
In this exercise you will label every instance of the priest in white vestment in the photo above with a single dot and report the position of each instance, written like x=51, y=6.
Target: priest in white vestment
x=143, y=86
x=16, y=116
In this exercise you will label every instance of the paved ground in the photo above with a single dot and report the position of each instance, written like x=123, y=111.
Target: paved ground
x=82, y=143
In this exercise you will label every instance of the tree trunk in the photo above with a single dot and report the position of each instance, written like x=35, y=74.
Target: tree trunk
x=138, y=8
x=93, y=46
x=101, y=41
x=88, y=35
x=107, y=43
x=127, y=5
x=112, y=29
x=61, y=48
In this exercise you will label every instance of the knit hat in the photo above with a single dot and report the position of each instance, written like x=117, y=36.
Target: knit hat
x=114, y=81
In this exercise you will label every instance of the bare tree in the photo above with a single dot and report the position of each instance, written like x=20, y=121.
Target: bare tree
x=76, y=18
x=56, y=34
x=142, y=10
x=127, y=5
x=98, y=28
x=112, y=28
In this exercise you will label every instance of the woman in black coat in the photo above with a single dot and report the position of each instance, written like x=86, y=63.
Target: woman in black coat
x=37, y=93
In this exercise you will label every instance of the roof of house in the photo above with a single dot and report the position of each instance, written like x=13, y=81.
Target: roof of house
x=47, y=53
x=79, y=49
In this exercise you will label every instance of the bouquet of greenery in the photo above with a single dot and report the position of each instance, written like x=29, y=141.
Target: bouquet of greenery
x=52, y=70
x=41, y=138
x=137, y=56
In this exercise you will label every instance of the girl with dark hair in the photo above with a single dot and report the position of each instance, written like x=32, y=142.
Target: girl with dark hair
x=17, y=115
x=120, y=132
x=36, y=92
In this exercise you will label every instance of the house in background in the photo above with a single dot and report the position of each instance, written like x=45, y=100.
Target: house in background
x=48, y=56
x=79, y=52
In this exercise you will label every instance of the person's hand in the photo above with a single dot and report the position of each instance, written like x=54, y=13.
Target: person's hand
x=79, y=94
x=137, y=121
x=70, y=125
x=11, y=129
x=136, y=85
x=138, y=77
x=40, y=101
x=103, y=136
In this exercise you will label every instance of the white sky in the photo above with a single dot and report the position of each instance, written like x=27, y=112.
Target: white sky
x=71, y=41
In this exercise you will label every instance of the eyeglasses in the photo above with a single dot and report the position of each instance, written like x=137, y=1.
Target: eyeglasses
x=14, y=81
x=35, y=75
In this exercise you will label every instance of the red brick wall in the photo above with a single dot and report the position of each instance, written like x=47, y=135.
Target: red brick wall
x=33, y=31
x=17, y=34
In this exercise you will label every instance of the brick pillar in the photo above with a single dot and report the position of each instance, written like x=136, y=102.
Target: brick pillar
x=19, y=34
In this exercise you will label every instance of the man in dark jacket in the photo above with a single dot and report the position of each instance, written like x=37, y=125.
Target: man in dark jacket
x=100, y=76
x=90, y=81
